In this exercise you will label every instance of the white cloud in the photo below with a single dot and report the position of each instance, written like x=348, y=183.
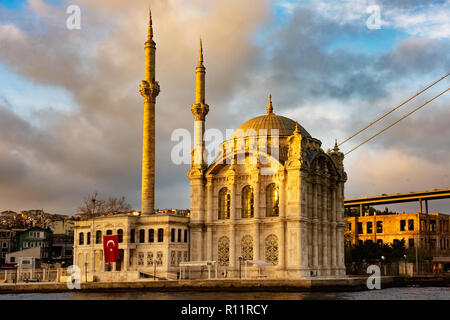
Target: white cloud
x=432, y=21
x=390, y=171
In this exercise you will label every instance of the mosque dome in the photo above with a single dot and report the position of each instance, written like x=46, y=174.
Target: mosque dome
x=270, y=121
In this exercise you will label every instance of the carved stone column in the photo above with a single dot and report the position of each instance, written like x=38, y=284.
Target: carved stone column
x=232, y=186
x=324, y=228
x=257, y=215
x=283, y=230
x=315, y=225
x=209, y=218
x=303, y=242
x=333, y=229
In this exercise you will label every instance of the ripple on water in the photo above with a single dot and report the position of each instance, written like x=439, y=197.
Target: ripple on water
x=408, y=293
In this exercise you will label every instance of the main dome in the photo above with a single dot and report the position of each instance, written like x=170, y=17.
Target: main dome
x=270, y=121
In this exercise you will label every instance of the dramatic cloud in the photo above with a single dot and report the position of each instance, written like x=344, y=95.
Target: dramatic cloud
x=321, y=63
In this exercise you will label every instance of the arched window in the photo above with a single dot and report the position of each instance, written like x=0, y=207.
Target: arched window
x=247, y=248
x=108, y=232
x=98, y=236
x=224, y=204
x=88, y=238
x=151, y=236
x=271, y=245
x=160, y=235
x=120, y=234
x=272, y=200
x=223, y=254
x=247, y=202
x=132, y=235
x=81, y=238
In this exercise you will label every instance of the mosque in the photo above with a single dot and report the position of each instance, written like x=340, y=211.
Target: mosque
x=272, y=196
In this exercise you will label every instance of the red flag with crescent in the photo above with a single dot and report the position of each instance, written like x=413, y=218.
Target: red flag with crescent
x=111, y=248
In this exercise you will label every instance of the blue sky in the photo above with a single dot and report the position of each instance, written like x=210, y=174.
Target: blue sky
x=73, y=113
x=19, y=4
x=13, y=4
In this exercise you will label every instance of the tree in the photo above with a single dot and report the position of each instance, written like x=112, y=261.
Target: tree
x=117, y=205
x=369, y=252
x=93, y=206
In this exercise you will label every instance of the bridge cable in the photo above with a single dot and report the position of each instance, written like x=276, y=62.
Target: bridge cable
x=389, y=112
x=394, y=123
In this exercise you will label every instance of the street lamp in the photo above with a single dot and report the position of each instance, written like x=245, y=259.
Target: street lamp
x=85, y=269
x=240, y=265
x=155, y=262
x=382, y=260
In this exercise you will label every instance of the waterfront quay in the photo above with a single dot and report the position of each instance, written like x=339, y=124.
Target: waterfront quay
x=229, y=285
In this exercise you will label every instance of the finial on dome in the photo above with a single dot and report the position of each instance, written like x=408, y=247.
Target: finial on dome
x=336, y=148
x=269, y=107
x=296, y=128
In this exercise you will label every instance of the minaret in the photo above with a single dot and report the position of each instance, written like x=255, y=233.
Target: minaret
x=198, y=166
x=199, y=110
x=149, y=89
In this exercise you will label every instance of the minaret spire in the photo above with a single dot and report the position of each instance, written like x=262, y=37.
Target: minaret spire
x=150, y=26
x=200, y=55
x=200, y=77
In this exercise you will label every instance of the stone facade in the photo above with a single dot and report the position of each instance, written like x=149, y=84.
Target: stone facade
x=272, y=194
x=143, y=242
x=428, y=232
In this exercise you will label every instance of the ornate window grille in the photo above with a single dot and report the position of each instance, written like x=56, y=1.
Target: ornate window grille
x=247, y=248
x=178, y=257
x=224, y=251
x=271, y=244
x=149, y=258
x=172, y=257
x=140, y=259
x=159, y=257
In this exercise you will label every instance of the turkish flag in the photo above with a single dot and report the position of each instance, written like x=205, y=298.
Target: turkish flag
x=111, y=248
